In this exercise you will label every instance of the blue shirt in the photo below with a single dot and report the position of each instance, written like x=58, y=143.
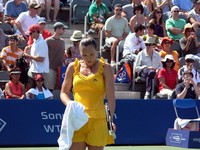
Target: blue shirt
x=13, y=10
x=183, y=4
x=40, y=96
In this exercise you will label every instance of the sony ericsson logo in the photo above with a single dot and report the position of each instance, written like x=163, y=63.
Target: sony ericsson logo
x=176, y=138
x=2, y=124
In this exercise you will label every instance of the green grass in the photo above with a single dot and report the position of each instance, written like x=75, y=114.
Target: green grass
x=106, y=148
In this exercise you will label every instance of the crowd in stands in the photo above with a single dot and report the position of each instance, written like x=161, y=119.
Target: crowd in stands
x=143, y=31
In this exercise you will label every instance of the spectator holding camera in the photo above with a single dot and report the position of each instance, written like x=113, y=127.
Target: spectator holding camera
x=187, y=88
x=189, y=43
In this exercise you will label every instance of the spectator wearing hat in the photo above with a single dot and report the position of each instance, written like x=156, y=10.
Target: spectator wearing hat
x=45, y=33
x=189, y=43
x=56, y=49
x=13, y=8
x=147, y=65
x=10, y=53
x=167, y=77
x=175, y=25
x=73, y=51
x=56, y=5
x=38, y=55
x=39, y=91
x=14, y=89
x=194, y=14
x=39, y=2
x=26, y=19
x=189, y=65
x=166, y=44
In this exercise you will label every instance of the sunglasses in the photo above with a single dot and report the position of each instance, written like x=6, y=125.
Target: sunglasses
x=176, y=11
x=150, y=44
x=189, y=61
x=39, y=80
x=118, y=9
x=42, y=23
x=167, y=42
x=158, y=12
x=33, y=32
x=171, y=61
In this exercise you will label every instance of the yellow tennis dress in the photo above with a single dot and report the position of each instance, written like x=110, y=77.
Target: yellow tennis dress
x=90, y=91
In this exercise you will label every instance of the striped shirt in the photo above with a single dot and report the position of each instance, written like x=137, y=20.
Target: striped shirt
x=10, y=56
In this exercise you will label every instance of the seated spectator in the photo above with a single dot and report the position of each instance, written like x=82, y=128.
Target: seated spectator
x=26, y=19
x=14, y=89
x=134, y=43
x=13, y=8
x=185, y=6
x=45, y=33
x=189, y=43
x=128, y=10
x=10, y=53
x=39, y=2
x=39, y=91
x=157, y=20
x=73, y=51
x=150, y=29
x=187, y=88
x=147, y=65
x=165, y=5
x=166, y=49
x=175, y=25
x=98, y=13
x=194, y=15
x=56, y=6
x=116, y=30
x=167, y=77
x=138, y=17
x=189, y=65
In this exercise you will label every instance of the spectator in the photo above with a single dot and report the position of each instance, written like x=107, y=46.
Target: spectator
x=38, y=55
x=189, y=43
x=91, y=79
x=164, y=5
x=134, y=43
x=39, y=91
x=166, y=49
x=115, y=34
x=147, y=65
x=73, y=51
x=56, y=5
x=167, y=77
x=98, y=13
x=194, y=14
x=151, y=4
x=13, y=8
x=175, y=25
x=128, y=10
x=39, y=2
x=10, y=53
x=185, y=6
x=187, y=88
x=45, y=33
x=138, y=17
x=157, y=20
x=2, y=2
x=189, y=65
x=26, y=19
x=150, y=29
x=14, y=89
x=56, y=50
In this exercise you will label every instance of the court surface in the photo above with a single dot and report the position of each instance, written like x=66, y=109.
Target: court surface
x=106, y=148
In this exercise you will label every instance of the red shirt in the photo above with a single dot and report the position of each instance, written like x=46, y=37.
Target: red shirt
x=170, y=78
x=16, y=89
x=45, y=35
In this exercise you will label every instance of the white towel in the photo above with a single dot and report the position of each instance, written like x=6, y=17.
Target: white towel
x=74, y=118
x=35, y=91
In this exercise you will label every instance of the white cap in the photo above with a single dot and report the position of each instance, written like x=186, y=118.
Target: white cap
x=190, y=56
x=168, y=56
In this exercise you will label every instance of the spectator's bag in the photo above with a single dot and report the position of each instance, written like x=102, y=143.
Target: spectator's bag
x=124, y=74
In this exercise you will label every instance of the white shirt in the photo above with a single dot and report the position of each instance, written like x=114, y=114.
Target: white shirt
x=143, y=60
x=26, y=21
x=39, y=48
x=133, y=43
